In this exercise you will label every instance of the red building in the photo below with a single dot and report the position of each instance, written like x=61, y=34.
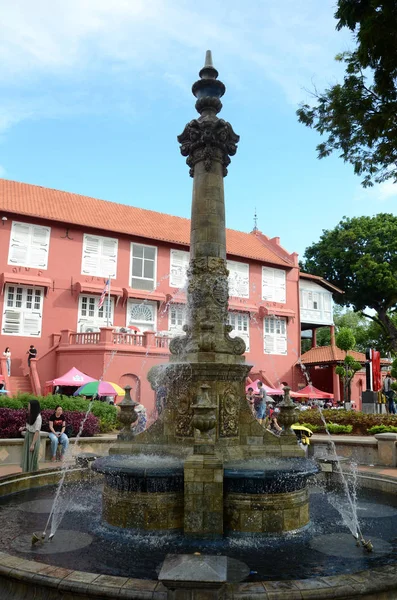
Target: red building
x=57, y=250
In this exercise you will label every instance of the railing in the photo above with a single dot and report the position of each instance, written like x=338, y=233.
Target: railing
x=146, y=340
x=129, y=339
x=85, y=338
x=163, y=342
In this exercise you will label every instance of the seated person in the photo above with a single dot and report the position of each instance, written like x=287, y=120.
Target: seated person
x=57, y=435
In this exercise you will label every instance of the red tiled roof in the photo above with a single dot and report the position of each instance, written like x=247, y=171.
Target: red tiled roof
x=54, y=205
x=331, y=354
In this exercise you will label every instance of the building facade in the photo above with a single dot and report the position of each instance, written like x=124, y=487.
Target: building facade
x=58, y=250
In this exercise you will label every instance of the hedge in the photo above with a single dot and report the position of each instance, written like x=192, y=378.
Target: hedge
x=12, y=419
x=382, y=429
x=361, y=423
x=106, y=414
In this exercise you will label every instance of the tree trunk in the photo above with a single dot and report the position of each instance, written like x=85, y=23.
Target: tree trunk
x=389, y=326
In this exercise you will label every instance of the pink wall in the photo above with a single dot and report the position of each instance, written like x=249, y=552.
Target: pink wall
x=61, y=310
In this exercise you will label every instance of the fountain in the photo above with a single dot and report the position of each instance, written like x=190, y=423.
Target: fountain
x=172, y=512
x=207, y=422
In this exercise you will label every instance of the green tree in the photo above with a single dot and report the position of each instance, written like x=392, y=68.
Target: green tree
x=359, y=116
x=360, y=256
x=346, y=341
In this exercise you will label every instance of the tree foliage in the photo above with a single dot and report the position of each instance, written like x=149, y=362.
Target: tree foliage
x=359, y=116
x=360, y=257
x=346, y=341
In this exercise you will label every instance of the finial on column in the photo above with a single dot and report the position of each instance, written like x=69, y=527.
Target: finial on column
x=208, y=89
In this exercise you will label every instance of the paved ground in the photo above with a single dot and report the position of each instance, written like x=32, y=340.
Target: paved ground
x=10, y=469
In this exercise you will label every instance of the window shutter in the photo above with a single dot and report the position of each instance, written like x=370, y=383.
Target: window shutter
x=269, y=344
x=11, y=322
x=238, y=279
x=179, y=263
x=31, y=324
x=91, y=255
x=279, y=285
x=280, y=344
x=39, y=247
x=108, y=261
x=273, y=285
x=19, y=244
x=267, y=283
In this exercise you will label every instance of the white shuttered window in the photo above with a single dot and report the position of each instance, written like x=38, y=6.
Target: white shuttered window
x=23, y=311
x=29, y=245
x=99, y=256
x=241, y=326
x=273, y=285
x=275, y=335
x=90, y=316
x=238, y=279
x=179, y=263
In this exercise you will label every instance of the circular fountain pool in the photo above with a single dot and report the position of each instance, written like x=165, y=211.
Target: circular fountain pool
x=101, y=548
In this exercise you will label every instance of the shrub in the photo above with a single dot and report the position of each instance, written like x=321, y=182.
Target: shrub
x=382, y=429
x=313, y=427
x=11, y=420
x=336, y=428
x=106, y=414
x=360, y=422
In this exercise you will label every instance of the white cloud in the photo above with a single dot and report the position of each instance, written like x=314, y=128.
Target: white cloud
x=377, y=194
x=79, y=43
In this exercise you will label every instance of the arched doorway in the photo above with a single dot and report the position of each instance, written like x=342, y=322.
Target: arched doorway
x=134, y=382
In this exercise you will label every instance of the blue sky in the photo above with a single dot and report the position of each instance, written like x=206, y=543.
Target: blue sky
x=94, y=92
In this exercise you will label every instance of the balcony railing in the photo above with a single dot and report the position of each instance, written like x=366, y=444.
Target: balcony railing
x=85, y=338
x=147, y=341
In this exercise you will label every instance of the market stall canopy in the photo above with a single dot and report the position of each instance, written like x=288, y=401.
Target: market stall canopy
x=73, y=378
x=272, y=391
x=311, y=392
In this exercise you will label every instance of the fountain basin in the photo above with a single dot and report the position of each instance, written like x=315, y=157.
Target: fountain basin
x=267, y=495
x=142, y=491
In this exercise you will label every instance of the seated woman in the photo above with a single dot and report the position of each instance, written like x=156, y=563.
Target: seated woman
x=57, y=424
x=273, y=426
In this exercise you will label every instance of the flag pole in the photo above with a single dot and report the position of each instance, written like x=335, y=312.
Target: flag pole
x=108, y=310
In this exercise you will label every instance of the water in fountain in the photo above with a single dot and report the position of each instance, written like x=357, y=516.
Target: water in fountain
x=61, y=502
x=348, y=512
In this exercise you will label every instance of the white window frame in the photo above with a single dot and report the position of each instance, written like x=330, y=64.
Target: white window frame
x=177, y=314
x=178, y=272
x=275, y=335
x=93, y=322
x=105, y=266
x=274, y=285
x=23, y=301
x=238, y=271
x=240, y=321
x=143, y=324
x=29, y=246
x=131, y=277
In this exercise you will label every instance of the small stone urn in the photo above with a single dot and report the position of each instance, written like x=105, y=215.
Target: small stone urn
x=127, y=415
x=204, y=421
x=288, y=413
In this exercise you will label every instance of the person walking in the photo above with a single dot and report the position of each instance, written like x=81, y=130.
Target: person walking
x=7, y=354
x=31, y=445
x=32, y=353
x=57, y=435
x=389, y=393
